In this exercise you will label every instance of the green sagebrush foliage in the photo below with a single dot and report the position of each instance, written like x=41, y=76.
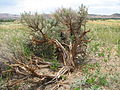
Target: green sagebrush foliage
x=65, y=25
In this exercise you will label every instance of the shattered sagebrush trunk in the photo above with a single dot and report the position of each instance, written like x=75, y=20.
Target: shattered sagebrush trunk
x=72, y=26
x=67, y=22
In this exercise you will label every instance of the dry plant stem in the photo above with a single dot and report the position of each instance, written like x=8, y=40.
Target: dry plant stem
x=7, y=71
x=28, y=69
x=16, y=82
x=61, y=72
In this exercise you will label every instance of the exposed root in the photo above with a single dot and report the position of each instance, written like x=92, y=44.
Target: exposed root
x=28, y=73
x=61, y=72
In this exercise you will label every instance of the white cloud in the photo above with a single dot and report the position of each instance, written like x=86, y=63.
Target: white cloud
x=50, y=5
x=43, y=4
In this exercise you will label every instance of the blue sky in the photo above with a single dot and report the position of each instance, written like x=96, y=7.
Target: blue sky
x=7, y=3
x=47, y=6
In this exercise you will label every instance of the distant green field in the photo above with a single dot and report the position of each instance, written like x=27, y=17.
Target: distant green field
x=7, y=20
x=105, y=31
x=104, y=18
